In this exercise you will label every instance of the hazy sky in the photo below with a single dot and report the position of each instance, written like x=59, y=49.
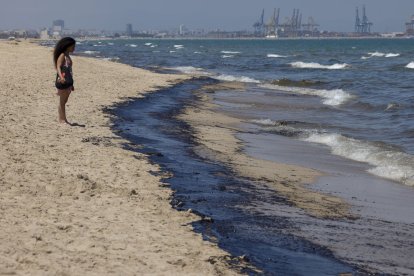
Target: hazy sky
x=387, y=15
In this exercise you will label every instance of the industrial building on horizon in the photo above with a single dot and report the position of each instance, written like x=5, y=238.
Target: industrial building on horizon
x=290, y=27
x=362, y=25
x=410, y=26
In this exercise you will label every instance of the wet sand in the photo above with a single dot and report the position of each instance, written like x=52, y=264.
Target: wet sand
x=73, y=200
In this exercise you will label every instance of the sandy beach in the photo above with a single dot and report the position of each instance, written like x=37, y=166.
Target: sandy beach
x=73, y=201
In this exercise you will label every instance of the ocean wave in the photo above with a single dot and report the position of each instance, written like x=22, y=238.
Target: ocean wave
x=410, y=65
x=230, y=52
x=379, y=54
x=114, y=59
x=376, y=54
x=227, y=56
x=387, y=161
x=389, y=55
x=91, y=52
x=293, y=129
x=173, y=51
x=315, y=65
x=191, y=70
x=179, y=46
x=224, y=77
x=148, y=44
x=110, y=44
x=275, y=56
x=331, y=97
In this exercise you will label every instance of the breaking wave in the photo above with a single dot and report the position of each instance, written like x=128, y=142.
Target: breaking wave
x=230, y=52
x=331, y=97
x=114, y=59
x=389, y=55
x=410, y=65
x=191, y=70
x=91, y=52
x=379, y=54
x=235, y=78
x=275, y=56
x=315, y=65
x=387, y=161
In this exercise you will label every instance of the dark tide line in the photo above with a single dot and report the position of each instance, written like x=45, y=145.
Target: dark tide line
x=213, y=192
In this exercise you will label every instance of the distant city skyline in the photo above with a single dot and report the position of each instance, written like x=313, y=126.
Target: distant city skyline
x=332, y=15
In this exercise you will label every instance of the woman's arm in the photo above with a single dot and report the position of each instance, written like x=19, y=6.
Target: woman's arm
x=59, y=63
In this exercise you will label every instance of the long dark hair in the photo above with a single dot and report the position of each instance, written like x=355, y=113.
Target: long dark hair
x=61, y=47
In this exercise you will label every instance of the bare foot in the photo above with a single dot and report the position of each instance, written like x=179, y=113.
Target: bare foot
x=64, y=122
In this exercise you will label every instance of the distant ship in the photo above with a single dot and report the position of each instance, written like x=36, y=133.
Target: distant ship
x=272, y=36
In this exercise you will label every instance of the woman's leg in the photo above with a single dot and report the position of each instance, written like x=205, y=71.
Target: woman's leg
x=64, y=96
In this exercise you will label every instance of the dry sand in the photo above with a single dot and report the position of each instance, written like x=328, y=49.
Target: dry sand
x=72, y=200
x=216, y=134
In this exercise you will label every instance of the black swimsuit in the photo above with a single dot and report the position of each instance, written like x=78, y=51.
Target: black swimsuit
x=66, y=70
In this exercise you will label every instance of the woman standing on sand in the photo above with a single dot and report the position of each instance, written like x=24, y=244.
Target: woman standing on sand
x=64, y=76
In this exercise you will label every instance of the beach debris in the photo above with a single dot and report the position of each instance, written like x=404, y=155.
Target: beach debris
x=37, y=237
x=95, y=140
x=64, y=227
x=298, y=83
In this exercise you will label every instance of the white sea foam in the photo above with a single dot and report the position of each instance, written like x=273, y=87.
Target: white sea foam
x=148, y=44
x=224, y=77
x=230, y=52
x=153, y=46
x=275, y=56
x=376, y=54
x=91, y=52
x=315, y=65
x=133, y=45
x=389, y=55
x=379, y=54
x=112, y=58
x=178, y=46
x=197, y=52
x=191, y=70
x=331, y=97
x=173, y=51
x=410, y=65
x=387, y=162
x=264, y=122
x=227, y=56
